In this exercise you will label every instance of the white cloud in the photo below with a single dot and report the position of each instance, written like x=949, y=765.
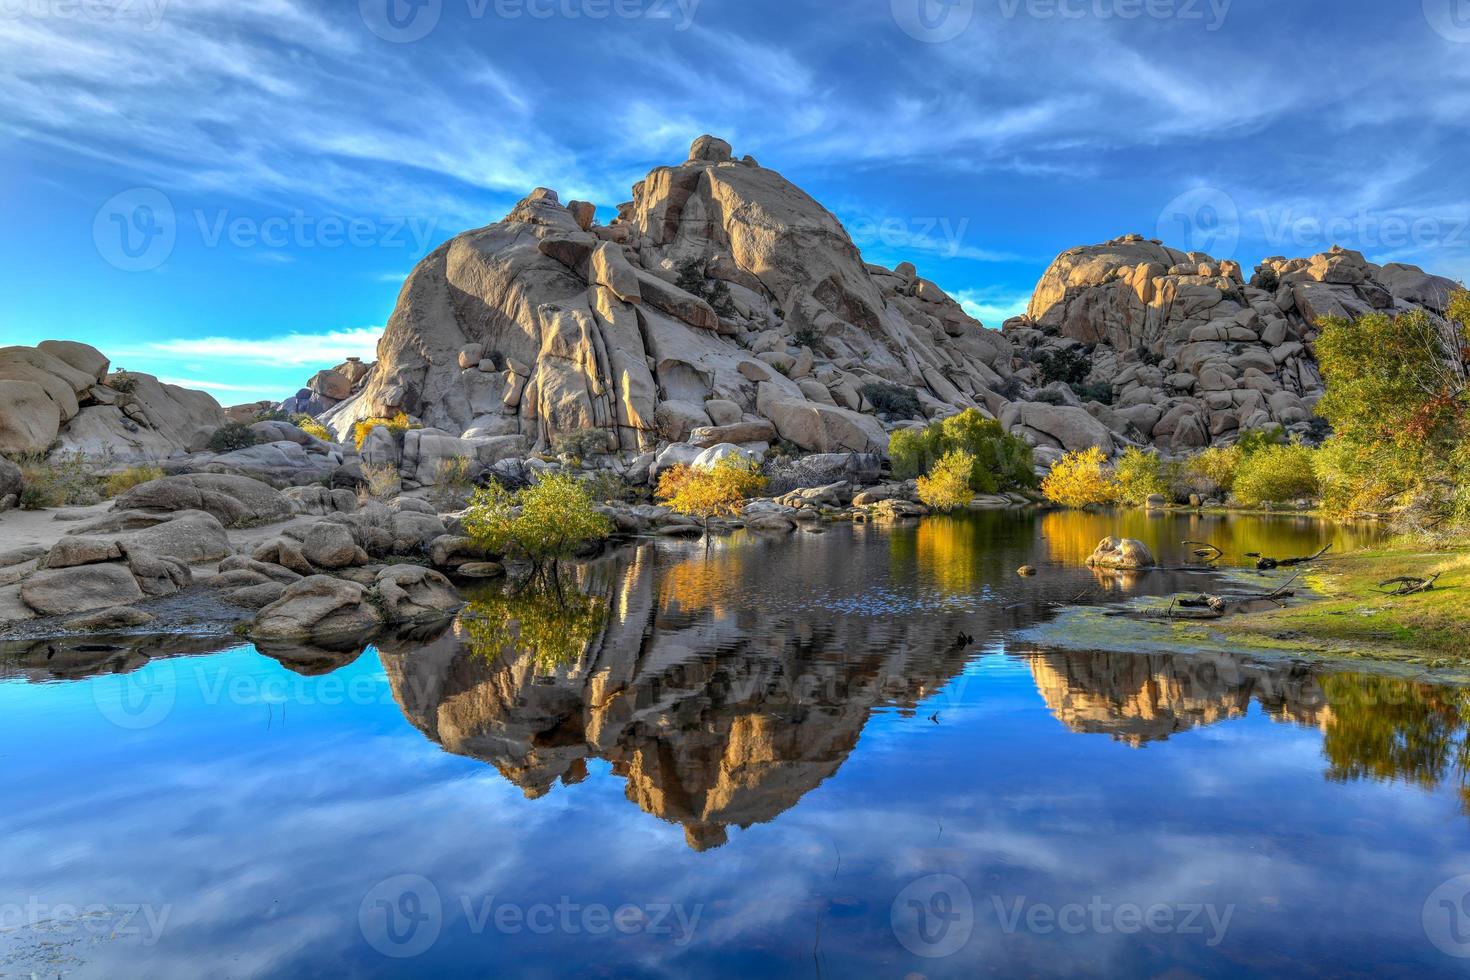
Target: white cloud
x=992, y=306
x=316, y=351
x=195, y=385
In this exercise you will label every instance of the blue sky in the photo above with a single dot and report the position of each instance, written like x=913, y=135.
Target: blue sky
x=230, y=194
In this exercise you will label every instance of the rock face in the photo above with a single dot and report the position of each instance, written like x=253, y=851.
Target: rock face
x=60, y=392
x=237, y=501
x=1182, y=351
x=724, y=304
x=555, y=328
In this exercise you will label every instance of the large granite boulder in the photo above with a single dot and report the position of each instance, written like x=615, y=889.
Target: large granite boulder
x=237, y=501
x=80, y=588
x=1121, y=553
x=412, y=593
x=318, y=608
x=29, y=418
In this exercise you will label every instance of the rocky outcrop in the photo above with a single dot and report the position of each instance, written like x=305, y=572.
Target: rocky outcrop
x=60, y=394
x=1178, y=350
x=237, y=501
x=720, y=283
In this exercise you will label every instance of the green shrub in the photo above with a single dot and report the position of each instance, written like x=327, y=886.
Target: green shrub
x=542, y=524
x=948, y=485
x=1001, y=461
x=230, y=437
x=1080, y=479
x=1139, y=475
x=1070, y=365
x=605, y=486
x=895, y=400
x=124, y=480
x=311, y=427
x=715, y=292
x=1102, y=392
x=806, y=335
x=60, y=481
x=397, y=424
x=452, y=482
x=1276, y=473
x=1213, y=470
x=1398, y=402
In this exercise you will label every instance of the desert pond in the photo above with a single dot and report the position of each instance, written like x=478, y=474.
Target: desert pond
x=822, y=755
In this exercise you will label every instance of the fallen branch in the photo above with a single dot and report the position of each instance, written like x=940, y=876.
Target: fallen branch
x=1265, y=564
x=1205, y=551
x=1409, y=584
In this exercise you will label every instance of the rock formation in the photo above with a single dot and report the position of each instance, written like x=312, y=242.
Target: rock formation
x=721, y=297
x=725, y=305
x=721, y=310
x=1181, y=351
x=59, y=395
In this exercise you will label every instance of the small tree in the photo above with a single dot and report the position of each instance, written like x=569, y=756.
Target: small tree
x=713, y=492
x=1080, y=479
x=948, y=484
x=1139, y=475
x=1398, y=400
x=1276, y=473
x=1001, y=461
x=542, y=524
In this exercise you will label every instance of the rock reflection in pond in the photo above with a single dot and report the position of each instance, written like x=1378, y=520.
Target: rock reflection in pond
x=1373, y=727
x=712, y=721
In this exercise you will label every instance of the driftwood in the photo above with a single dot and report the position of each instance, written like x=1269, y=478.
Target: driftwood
x=1205, y=551
x=1265, y=564
x=1409, y=585
x=1205, y=606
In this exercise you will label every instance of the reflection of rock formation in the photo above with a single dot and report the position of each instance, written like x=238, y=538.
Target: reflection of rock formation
x=76, y=657
x=1148, y=697
x=1373, y=727
x=715, y=713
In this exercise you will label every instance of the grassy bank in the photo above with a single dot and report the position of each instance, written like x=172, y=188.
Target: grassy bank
x=1352, y=618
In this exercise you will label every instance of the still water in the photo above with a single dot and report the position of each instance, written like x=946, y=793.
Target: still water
x=822, y=755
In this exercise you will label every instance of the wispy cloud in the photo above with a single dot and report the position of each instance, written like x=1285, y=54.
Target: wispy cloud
x=209, y=385
x=295, y=349
x=993, y=306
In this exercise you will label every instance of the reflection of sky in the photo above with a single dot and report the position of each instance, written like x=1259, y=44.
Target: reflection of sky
x=262, y=835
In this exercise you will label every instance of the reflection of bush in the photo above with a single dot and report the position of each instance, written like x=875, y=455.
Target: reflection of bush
x=948, y=551
x=553, y=628
x=1387, y=728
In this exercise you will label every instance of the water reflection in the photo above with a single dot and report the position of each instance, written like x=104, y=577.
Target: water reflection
x=711, y=723
x=856, y=699
x=1373, y=727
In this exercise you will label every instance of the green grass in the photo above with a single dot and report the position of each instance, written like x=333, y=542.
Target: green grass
x=1351, y=618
